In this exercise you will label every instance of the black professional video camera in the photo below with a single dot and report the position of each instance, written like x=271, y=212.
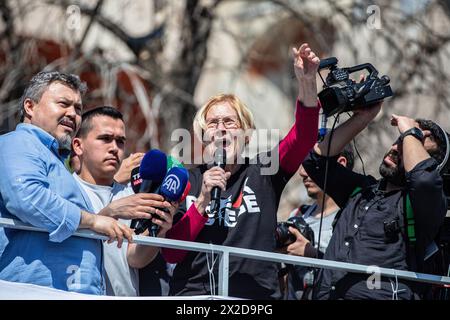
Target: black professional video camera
x=284, y=238
x=342, y=94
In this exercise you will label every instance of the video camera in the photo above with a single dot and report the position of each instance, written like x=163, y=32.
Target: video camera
x=284, y=237
x=342, y=94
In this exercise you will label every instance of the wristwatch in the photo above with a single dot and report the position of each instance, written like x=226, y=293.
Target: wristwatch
x=415, y=132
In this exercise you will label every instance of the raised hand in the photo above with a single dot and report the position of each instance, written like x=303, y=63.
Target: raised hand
x=306, y=63
x=123, y=175
x=403, y=123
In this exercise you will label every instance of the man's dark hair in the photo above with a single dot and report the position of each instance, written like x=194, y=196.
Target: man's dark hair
x=348, y=154
x=41, y=81
x=86, y=123
x=438, y=135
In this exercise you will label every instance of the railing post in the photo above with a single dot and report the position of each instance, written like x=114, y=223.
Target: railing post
x=223, y=273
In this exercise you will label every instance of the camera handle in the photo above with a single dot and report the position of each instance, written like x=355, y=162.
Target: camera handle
x=373, y=73
x=328, y=63
x=331, y=63
x=365, y=66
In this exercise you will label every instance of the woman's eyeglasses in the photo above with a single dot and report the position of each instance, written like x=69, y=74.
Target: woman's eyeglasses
x=228, y=123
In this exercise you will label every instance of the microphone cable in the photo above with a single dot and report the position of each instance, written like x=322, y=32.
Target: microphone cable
x=336, y=119
x=359, y=156
x=315, y=279
x=357, y=151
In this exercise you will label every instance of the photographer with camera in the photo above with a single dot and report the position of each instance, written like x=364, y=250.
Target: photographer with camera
x=319, y=217
x=389, y=222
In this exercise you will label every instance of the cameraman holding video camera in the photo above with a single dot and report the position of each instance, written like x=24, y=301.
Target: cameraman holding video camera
x=391, y=222
x=372, y=228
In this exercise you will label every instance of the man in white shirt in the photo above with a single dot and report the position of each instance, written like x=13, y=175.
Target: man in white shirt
x=323, y=208
x=99, y=148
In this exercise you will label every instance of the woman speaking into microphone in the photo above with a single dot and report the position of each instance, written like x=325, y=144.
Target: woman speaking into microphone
x=245, y=214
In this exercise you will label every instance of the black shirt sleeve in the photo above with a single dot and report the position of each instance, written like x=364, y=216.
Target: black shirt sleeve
x=425, y=189
x=341, y=181
x=311, y=252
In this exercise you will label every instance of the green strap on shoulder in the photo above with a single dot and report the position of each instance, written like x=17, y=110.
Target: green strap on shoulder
x=410, y=222
x=356, y=191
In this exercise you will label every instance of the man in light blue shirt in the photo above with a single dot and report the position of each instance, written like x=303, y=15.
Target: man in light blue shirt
x=36, y=188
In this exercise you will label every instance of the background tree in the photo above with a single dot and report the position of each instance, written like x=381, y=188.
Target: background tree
x=192, y=49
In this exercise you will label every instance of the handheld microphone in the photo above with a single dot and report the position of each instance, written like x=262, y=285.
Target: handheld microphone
x=173, y=162
x=173, y=189
x=220, y=158
x=135, y=180
x=174, y=184
x=152, y=170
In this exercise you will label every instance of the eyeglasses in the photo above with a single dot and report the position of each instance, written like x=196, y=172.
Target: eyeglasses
x=228, y=123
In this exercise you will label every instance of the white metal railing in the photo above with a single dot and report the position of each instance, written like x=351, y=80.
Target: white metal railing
x=225, y=252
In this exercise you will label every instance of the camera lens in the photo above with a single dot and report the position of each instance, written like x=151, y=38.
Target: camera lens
x=282, y=235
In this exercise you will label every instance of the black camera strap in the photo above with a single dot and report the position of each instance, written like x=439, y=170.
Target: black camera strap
x=309, y=211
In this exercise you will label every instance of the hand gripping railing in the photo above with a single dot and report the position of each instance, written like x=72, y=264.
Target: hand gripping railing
x=225, y=253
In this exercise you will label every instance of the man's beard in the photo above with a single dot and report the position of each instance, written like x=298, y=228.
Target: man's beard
x=65, y=142
x=394, y=175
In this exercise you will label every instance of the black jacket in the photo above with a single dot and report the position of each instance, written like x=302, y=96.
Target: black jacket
x=360, y=235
